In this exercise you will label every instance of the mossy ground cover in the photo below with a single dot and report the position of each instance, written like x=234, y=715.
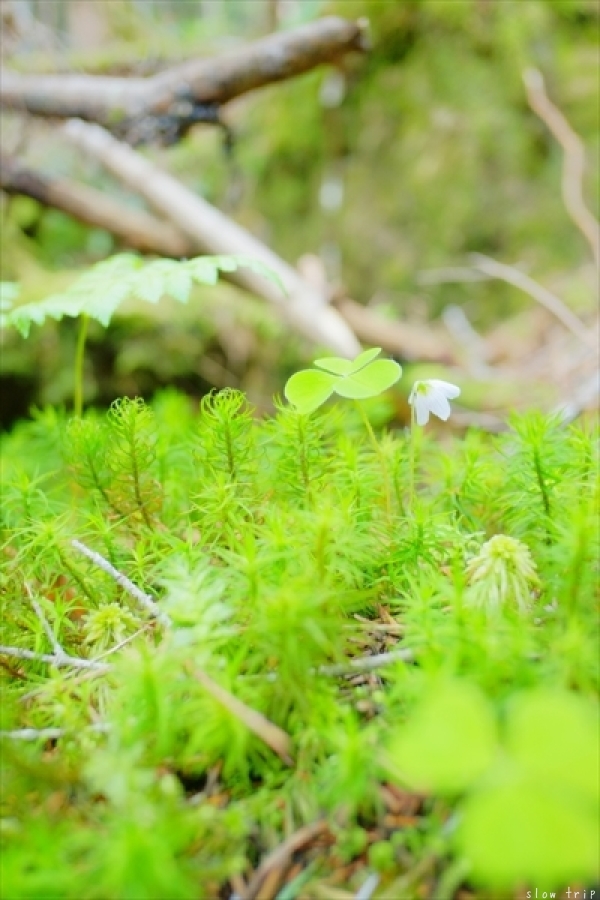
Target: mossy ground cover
x=267, y=668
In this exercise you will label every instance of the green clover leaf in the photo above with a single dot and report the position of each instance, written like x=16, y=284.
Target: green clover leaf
x=358, y=379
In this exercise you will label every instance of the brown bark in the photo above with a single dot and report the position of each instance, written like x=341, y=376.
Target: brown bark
x=108, y=101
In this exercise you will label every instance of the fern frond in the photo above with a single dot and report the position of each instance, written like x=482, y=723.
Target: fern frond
x=99, y=292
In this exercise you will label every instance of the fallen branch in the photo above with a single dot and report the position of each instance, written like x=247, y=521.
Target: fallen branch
x=213, y=232
x=136, y=228
x=573, y=162
x=211, y=82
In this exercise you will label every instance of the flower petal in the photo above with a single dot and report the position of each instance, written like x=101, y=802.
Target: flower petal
x=438, y=404
x=451, y=391
x=421, y=405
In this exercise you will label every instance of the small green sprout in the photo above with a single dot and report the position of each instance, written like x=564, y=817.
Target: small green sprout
x=360, y=379
x=108, y=625
x=503, y=573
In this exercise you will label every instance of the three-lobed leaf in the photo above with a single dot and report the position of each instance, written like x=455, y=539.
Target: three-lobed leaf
x=355, y=379
x=309, y=389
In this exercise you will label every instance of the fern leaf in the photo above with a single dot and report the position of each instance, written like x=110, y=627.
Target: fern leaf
x=100, y=291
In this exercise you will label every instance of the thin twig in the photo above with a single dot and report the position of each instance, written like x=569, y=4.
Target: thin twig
x=368, y=663
x=368, y=887
x=143, y=599
x=122, y=643
x=449, y=274
x=58, y=649
x=539, y=293
x=272, y=735
x=573, y=161
x=281, y=857
x=362, y=663
x=48, y=734
x=55, y=659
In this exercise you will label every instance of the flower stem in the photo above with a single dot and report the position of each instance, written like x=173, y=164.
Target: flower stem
x=79, y=360
x=412, y=460
x=380, y=456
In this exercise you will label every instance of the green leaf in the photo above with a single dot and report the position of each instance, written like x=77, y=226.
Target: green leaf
x=99, y=291
x=9, y=291
x=519, y=834
x=370, y=381
x=340, y=366
x=334, y=364
x=309, y=389
x=179, y=284
x=262, y=269
x=450, y=741
x=554, y=735
x=204, y=270
x=364, y=358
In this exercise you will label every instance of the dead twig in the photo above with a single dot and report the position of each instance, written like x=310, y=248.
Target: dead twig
x=573, y=161
x=145, y=600
x=56, y=646
x=410, y=341
x=55, y=659
x=369, y=663
x=279, y=860
x=542, y=295
x=273, y=736
x=368, y=887
x=47, y=734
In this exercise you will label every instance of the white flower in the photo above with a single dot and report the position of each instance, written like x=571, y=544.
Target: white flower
x=432, y=396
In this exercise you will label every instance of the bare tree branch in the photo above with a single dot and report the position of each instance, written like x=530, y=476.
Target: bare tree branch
x=110, y=101
x=573, y=163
